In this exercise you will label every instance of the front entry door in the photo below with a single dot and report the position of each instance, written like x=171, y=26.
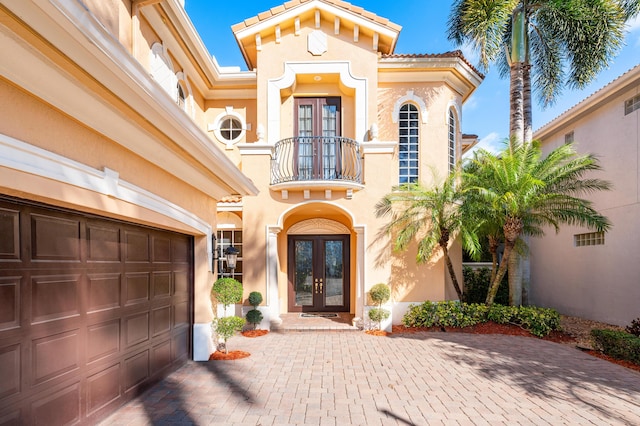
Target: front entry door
x=318, y=273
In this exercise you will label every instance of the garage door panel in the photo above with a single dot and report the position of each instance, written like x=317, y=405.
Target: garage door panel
x=136, y=329
x=103, y=388
x=104, y=292
x=181, y=283
x=10, y=370
x=103, y=339
x=181, y=252
x=54, y=356
x=55, y=238
x=161, y=320
x=136, y=287
x=180, y=344
x=136, y=369
x=10, y=231
x=136, y=247
x=161, y=250
x=103, y=243
x=161, y=284
x=59, y=408
x=54, y=297
x=10, y=302
x=161, y=356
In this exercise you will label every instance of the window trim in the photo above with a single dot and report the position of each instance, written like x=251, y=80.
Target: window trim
x=216, y=127
x=631, y=105
x=415, y=177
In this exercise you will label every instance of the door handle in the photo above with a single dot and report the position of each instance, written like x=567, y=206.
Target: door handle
x=321, y=286
x=316, y=283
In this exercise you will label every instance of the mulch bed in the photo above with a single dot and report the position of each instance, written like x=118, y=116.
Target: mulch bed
x=513, y=330
x=254, y=333
x=230, y=356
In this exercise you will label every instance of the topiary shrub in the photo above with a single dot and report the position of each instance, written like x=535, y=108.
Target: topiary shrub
x=254, y=317
x=380, y=294
x=617, y=344
x=228, y=326
x=634, y=327
x=255, y=299
x=227, y=291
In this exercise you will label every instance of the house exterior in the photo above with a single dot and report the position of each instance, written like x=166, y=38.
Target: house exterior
x=578, y=271
x=130, y=160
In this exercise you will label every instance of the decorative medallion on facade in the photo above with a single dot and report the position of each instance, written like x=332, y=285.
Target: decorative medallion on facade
x=317, y=43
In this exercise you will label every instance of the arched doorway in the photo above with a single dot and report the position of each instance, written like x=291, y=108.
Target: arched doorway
x=318, y=267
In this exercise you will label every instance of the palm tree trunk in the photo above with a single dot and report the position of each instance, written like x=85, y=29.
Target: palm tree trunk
x=502, y=269
x=515, y=280
x=493, y=249
x=526, y=103
x=516, y=121
x=452, y=273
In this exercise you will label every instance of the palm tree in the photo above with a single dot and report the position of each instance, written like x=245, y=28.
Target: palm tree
x=524, y=192
x=430, y=214
x=557, y=43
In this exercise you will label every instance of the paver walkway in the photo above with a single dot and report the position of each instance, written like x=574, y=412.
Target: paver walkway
x=343, y=378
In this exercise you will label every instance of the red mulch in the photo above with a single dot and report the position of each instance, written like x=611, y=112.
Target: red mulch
x=254, y=333
x=513, y=330
x=221, y=356
x=377, y=332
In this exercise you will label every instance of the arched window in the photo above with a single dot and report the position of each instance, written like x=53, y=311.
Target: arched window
x=408, y=122
x=452, y=140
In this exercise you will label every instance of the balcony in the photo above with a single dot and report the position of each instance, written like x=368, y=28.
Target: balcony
x=316, y=162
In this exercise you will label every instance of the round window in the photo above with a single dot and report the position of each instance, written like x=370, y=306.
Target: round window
x=230, y=129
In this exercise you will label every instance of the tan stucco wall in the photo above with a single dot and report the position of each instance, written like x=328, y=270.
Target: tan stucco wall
x=597, y=282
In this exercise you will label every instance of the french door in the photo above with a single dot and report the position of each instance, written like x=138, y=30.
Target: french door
x=318, y=273
x=318, y=129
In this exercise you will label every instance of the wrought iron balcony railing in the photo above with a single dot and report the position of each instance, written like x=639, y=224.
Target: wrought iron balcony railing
x=316, y=158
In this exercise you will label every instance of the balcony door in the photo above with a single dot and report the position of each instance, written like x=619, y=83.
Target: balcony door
x=318, y=126
x=318, y=273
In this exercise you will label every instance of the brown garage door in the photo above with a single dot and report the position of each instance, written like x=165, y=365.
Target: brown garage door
x=91, y=311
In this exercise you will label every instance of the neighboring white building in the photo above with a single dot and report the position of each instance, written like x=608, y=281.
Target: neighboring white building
x=580, y=272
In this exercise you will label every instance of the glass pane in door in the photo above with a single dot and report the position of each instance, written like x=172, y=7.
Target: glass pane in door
x=303, y=273
x=305, y=142
x=333, y=273
x=329, y=132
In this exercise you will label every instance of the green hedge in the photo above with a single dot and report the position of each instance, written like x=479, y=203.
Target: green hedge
x=617, y=344
x=476, y=286
x=538, y=321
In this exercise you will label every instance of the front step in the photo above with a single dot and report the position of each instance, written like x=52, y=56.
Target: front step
x=314, y=322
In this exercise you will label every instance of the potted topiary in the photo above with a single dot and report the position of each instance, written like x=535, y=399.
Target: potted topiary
x=254, y=316
x=380, y=294
x=227, y=291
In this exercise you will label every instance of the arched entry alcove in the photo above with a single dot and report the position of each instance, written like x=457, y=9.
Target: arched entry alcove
x=330, y=248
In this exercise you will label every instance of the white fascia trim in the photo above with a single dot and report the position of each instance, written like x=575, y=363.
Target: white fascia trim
x=378, y=147
x=139, y=90
x=288, y=78
x=255, y=148
x=26, y=158
x=294, y=12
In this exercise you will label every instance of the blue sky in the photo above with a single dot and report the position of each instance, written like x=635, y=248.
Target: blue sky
x=424, y=24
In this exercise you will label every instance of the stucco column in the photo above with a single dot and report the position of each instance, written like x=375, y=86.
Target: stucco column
x=203, y=311
x=273, y=299
x=360, y=271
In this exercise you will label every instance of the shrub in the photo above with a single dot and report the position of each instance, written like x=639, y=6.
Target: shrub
x=254, y=317
x=378, y=315
x=227, y=291
x=228, y=326
x=634, y=327
x=617, y=344
x=380, y=294
x=538, y=321
x=255, y=298
x=476, y=286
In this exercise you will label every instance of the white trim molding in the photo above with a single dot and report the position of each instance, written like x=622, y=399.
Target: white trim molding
x=26, y=158
x=410, y=97
x=288, y=79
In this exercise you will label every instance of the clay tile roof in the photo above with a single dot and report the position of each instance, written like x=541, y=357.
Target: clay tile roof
x=338, y=3
x=451, y=54
x=231, y=199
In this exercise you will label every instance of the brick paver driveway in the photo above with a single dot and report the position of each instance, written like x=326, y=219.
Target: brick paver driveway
x=326, y=378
